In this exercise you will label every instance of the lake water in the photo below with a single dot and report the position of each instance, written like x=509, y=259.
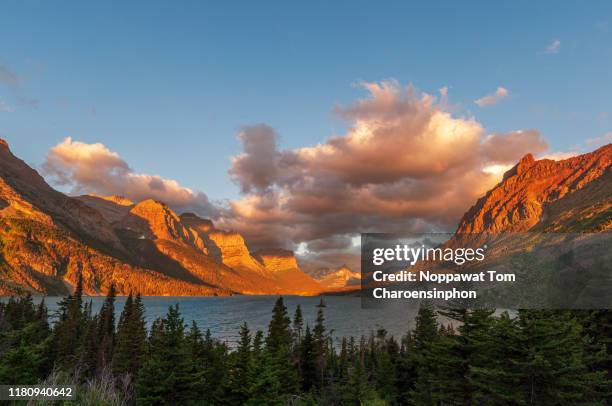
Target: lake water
x=344, y=315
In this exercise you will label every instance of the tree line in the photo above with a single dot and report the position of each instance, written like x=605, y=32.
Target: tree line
x=533, y=357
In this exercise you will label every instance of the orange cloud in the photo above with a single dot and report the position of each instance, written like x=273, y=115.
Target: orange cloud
x=404, y=164
x=494, y=98
x=93, y=168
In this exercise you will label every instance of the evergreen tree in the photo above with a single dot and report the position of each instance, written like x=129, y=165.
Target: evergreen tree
x=266, y=388
x=279, y=349
x=384, y=368
x=320, y=347
x=357, y=391
x=212, y=356
x=406, y=370
x=279, y=334
x=553, y=363
x=424, y=337
x=258, y=343
x=89, y=346
x=106, y=330
x=69, y=328
x=167, y=374
x=308, y=365
x=20, y=365
x=298, y=324
x=130, y=343
x=240, y=374
x=497, y=377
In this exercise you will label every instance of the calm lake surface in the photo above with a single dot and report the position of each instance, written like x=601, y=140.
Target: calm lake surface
x=344, y=315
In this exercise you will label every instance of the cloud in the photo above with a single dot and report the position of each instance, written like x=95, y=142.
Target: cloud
x=7, y=76
x=559, y=156
x=335, y=242
x=599, y=141
x=511, y=147
x=93, y=168
x=494, y=98
x=405, y=164
x=553, y=47
x=5, y=107
x=255, y=169
x=15, y=84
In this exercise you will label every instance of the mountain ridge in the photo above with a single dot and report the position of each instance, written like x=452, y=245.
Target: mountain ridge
x=528, y=191
x=48, y=239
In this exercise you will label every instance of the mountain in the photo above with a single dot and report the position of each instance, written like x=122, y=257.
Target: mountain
x=48, y=239
x=336, y=278
x=548, y=223
x=573, y=194
x=285, y=270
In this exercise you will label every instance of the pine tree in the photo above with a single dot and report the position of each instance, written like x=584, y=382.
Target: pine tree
x=20, y=365
x=279, y=334
x=463, y=358
x=496, y=379
x=167, y=375
x=212, y=356
x=279, y=349
x=320, y=347
x=42, y=315
x=553, y=361
x=258, y=342
x=406, y=370
x=89, y=346
x=357, y=391
x=68, y=330
x=130, y=343
x=106, y=330
x=384, y=368
x=298, y=324
x=241, y=368
x=308, y=364
x=424, y=337
x=266, y=388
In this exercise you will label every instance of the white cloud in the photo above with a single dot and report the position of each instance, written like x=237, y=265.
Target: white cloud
x=599, y=141
x=500, y=93
x=7, y=76
x=5, y=107
x=559, y=156
x=93, y=168
x=553, y=47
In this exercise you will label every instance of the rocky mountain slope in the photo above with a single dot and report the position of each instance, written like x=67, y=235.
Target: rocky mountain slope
x=48, y=239
x=573, y=194
x=337, y=278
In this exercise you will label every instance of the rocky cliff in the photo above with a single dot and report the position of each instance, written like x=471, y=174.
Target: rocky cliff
x=542, y=193
x=337, y=278
x=48, y=239
x=285, y=270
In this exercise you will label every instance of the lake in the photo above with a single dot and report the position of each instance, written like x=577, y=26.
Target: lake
x=344, y=315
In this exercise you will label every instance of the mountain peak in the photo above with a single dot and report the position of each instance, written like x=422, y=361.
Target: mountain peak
x=154, y=218
x=4, y=144
x=276, y=260
x=525, y=163
x=528, y=190
x=120, y=200
x=337, y=278
x=197, y=223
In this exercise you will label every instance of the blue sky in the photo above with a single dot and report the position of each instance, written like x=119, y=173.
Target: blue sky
x=169, y=84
